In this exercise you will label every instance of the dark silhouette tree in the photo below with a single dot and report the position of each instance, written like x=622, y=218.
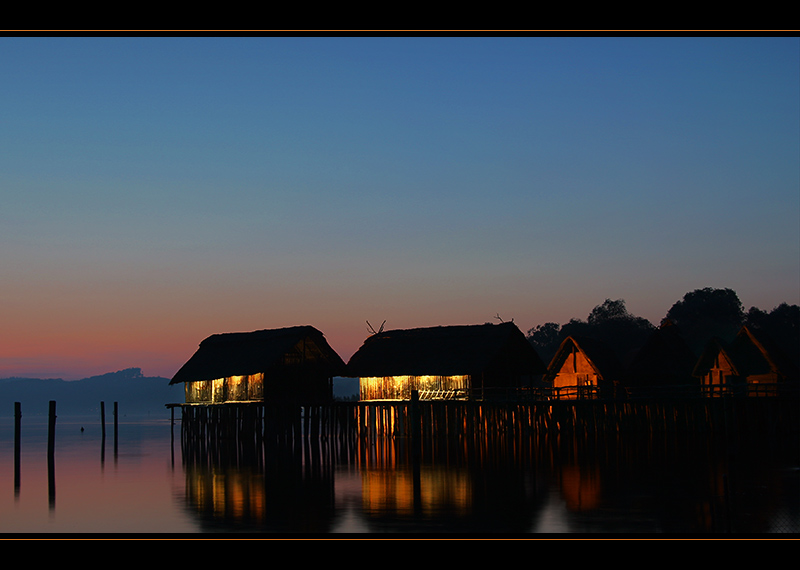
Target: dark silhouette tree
x=707, y=313
x=609, y=322
x=608, y=311
x=545, y=339
x=623, y=332
x=782, y=324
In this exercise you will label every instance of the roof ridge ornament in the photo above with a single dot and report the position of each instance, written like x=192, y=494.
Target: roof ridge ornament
x=372, y=329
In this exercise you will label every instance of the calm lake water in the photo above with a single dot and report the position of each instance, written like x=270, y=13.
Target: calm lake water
x=631, y=484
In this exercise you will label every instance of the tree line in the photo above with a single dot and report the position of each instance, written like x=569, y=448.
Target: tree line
x=700, y=315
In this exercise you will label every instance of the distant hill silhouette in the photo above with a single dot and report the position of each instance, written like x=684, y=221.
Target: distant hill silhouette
x=137, y=394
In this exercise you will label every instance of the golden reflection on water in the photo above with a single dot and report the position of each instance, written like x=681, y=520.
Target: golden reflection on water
x=232, y=494
x=404, y=493
x=580, y=488
x=627, y=481
x=493, y=483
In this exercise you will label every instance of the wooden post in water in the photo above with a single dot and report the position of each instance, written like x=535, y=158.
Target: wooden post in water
x=172, y=431
x=115, y=428
x=17, y=426
x=51, y=429
x=102, y=433
x=51, y=447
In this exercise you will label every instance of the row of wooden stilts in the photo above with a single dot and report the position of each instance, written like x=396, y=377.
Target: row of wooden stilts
x=429, y=420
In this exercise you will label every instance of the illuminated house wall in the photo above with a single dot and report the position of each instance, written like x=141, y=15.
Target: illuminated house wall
x=233, y=388
x=721, y=376
x=581, y=368
x=452, y=362
x=751, y=362
x=576, y=370
x=294, y=363
x=400, y=387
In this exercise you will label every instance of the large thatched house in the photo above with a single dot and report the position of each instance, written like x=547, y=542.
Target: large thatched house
x=664, y=360
x=451, y=362
x=583, y=368
x=750, y=364
x=289, y=364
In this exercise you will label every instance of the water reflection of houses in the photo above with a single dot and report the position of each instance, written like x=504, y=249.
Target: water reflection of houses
x=494, y=484
x=451, y=498
x=306, y=485
x=451, y=362
x=279, y=493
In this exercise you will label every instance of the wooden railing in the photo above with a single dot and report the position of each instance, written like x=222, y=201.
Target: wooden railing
x=539, y=394
x=443, y=394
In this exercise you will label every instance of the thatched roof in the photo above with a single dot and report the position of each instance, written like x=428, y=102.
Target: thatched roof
x=753, y=346
x=752, y=352
x=239, y=354
x=603, y=360
x=446, y=351
x=664, y=359
x=714, y=347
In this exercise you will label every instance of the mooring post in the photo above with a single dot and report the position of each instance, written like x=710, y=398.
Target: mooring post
x=51, y=446
x=115, y=427
x=17, y=426
x=172, y=435
x=51, y=429
x=102, y=433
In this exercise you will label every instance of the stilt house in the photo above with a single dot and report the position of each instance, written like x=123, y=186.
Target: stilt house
x=664, y=360
x=751, y=364
x=290, y=364
x=583, y=368
x=451, y=362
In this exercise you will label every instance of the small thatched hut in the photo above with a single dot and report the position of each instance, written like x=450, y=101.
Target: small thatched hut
x=289, y=364
x=583, y=368
x=450, y=362
x=752, y=363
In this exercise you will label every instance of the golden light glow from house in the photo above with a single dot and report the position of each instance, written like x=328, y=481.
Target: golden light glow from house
x=218, y=390
x=255, y=386
x=229, y=389
x=400, y=387
x=237, y=388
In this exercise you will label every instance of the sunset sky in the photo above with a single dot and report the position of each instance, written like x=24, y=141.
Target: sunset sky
x=160, y=190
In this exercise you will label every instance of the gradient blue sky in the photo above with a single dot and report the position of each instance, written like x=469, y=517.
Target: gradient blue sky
x=159, y=190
